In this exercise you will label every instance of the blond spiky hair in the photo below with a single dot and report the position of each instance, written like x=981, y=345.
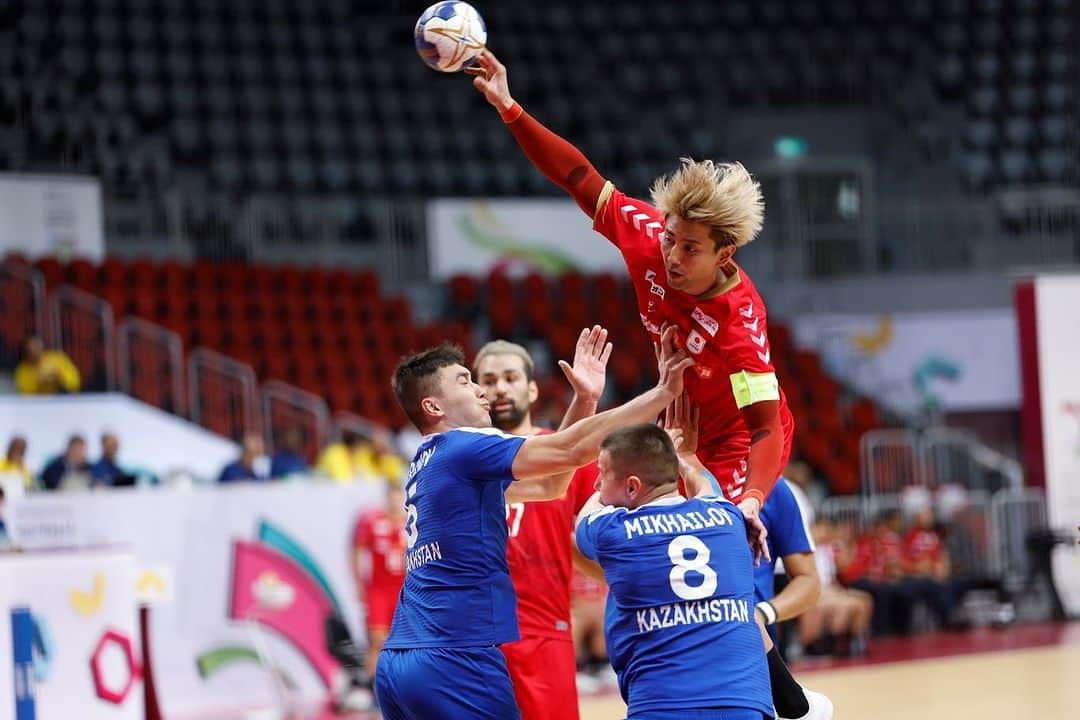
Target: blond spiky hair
x=722, y=195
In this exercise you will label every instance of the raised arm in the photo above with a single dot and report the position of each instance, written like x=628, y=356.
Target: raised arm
x=544, y=456
x=587, y=375
x=559, y=161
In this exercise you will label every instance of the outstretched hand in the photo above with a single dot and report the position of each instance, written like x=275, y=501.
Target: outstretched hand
x=681, y=423
x=672, y=362
x=756, y=534
x=588, y=373
x=489, y=77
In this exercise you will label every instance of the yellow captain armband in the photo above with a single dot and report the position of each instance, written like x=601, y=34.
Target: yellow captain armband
x=750, y=388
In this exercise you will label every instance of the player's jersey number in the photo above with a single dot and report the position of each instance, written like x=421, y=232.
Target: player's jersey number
x=514, y=513
x=412, y=521
x=695, y=566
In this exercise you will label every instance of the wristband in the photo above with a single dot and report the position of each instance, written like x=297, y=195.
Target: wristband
x=756, y=494
x=768, y=611
x=512, y=113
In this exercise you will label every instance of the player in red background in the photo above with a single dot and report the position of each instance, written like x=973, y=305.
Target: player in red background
x=379, y=568
x=679, y=257
x=540, y=550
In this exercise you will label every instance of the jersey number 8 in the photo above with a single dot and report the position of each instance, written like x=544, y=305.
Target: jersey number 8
x=698, y=564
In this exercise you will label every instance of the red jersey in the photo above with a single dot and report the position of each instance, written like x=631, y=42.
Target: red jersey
x=922, y=550
x=539, y=554
x=726, y=335
x=384, y=540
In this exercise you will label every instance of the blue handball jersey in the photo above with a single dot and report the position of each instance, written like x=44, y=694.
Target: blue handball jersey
x=788, y=535
x=680, y=617
x=457, y=590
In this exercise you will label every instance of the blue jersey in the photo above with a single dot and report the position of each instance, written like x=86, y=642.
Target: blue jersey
x=457, y=590
x=680, y=618
x=787, y=535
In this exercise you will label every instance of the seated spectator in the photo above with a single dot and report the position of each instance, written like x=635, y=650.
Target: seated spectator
x=45, y=372
x=14, y=475
x=926, y=564
x=876, y=566
x=840, y=622
x=107, y=471
x=70, y=471
x=351, y=459
x=252, y=464
x=288, y=459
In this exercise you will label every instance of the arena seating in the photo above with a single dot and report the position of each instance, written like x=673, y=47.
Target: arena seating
x=297, y=97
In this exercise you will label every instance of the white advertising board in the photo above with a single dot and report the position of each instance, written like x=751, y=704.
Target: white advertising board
x=477, y=237
x=57, y=215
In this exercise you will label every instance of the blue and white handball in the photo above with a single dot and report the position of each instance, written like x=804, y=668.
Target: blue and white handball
x=449, y=35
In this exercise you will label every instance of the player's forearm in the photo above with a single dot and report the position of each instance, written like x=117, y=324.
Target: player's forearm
x=584, y=565
x=559, y=161
x=798, y=596
x=586, y=435
x=766, y=448
x=696, y=477
x=580, y=408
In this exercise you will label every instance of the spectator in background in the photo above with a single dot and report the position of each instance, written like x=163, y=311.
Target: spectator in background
x=106, y=471
x=876, y=567
x=351, y=459
x=387, y=462
x=14, y=474
x=840, y=621
x=252, y=464
x=69, y=471
x=926, y=563
x=45, y=372
x=288, y=458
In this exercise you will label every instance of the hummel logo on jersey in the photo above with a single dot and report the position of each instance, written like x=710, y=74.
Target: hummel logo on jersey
x=649, y=324
x=759, y=340
x=748, y=311
x=751, y=326
x=709, y=323
x=695, y=342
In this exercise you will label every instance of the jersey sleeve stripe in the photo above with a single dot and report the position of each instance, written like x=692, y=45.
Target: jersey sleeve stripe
x=601, y=201
x=750, y=388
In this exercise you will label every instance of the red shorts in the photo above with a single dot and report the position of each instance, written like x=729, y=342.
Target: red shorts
x=544, y=673
x=379, y=606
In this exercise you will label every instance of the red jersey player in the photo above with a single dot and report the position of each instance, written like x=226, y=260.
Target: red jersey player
x=540, y=549
x=678, y=252
x=379, y=567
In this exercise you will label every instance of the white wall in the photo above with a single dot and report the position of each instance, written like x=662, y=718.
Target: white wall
x=150, y=438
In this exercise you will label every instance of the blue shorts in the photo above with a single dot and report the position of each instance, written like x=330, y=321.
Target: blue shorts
x=707, y=714
x=430, y=683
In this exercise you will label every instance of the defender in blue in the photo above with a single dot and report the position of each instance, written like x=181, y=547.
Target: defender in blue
x=457, y=603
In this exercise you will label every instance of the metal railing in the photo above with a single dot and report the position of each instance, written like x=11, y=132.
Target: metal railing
x=1015, y=514
x=82, y=326
x=150, y=364
x=286, y=408
x=891, y=460
x=223, y=394
x=22, y=310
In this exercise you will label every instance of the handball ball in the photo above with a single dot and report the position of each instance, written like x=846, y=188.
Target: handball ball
x=449, y=35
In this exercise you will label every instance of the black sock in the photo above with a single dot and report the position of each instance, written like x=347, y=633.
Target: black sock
x=787, y=695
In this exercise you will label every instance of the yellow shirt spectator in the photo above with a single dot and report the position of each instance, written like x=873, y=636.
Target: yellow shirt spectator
x=13, y=462
x=45, y=372
x=349, y=460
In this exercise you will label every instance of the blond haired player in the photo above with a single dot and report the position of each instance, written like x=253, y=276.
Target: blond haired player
x=679, y=255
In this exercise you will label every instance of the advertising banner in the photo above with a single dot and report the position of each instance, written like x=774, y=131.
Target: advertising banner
x=953, y=361
x=70, y=647
x=241, y=580
x=477, y=237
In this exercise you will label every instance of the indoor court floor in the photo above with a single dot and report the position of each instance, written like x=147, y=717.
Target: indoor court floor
x=1013, y=674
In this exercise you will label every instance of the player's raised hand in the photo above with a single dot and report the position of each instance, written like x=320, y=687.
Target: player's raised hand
x=589, y=372
x=672, y=362
x=489, y=77
x=756, y=533
x=681, y=423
